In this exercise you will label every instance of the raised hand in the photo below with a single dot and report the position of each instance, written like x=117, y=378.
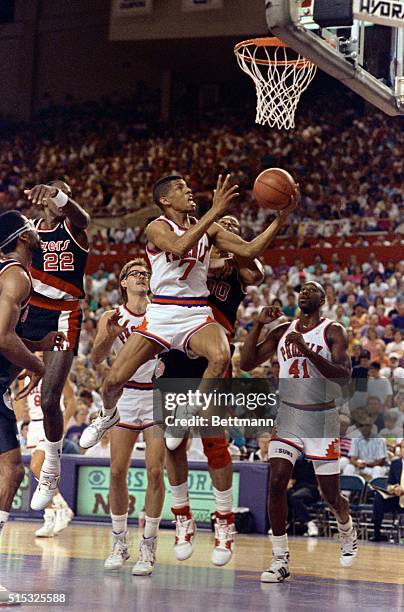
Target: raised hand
x=223, y=195
x=114, y=329
x=269, y=314
x=293, y=204
x=40, y=193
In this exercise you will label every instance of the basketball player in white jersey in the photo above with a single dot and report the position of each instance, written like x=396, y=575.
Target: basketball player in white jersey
x=57, y=515
x=136, y=415
x=312, y=351
x=178, y=316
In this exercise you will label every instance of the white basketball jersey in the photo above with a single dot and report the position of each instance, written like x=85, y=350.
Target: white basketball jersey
x=34, y=401
x=180, y=277
x=145, y=373
x=296, y=373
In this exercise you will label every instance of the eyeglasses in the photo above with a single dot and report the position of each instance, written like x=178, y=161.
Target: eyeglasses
x=139, y=274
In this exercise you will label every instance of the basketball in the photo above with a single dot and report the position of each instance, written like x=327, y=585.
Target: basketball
x=273, y=188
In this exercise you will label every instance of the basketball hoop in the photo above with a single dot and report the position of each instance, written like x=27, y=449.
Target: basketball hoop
x=280, y=76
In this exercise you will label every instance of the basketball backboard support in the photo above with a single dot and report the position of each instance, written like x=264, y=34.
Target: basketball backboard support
x=351, y=52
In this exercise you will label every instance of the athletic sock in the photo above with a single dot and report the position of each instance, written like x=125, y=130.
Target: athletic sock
x=224, y=500
x=180, y=495
x=119, y=524
x=53, y=452
x=3, y=519
x=280, y=546
x=108, y=411
x=346, y=527
x=151, y=527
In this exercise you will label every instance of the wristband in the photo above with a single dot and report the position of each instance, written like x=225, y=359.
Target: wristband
x=60, y=199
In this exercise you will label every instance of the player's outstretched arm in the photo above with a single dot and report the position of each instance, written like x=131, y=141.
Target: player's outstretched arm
x=107, y=331
x=161, y=236
x=252, y=353
x=14, y=290
x=227, y=241
x=77, y=216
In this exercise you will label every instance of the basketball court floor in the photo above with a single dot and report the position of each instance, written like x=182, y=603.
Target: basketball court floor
x=72, y=563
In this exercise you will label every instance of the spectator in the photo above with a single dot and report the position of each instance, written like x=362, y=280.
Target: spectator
x=80, y=423
x=393, y=501
x=367, y=455
x=398, y=319
x=397, y=344
x=392, y=429
x=263, y=439
x=372, y=343
x=379, y=386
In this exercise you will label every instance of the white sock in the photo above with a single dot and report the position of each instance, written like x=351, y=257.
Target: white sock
x=345, y=526
x=119, y=523
x=280, y=545
x=151, y=526
x=108, y=411
x=224, y=500
x=180, y=495
x=3, y=519
x=53, y=452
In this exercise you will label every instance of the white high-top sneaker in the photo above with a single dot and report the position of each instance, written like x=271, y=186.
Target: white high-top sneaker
x=278, y=571
x=349, y=547
x=45, y=490
x=94, y=432
x=147, y=557
x=185, y=531
x=119, y=553
x=48, y=528
x=225, y=530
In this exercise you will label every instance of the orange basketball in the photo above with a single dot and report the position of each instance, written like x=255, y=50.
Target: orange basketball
x=273, y=188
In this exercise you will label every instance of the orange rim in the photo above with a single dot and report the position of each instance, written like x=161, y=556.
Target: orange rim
x=268, y=42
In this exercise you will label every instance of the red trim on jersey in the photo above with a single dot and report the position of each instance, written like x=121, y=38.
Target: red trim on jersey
x=73, y=329
x=325, y=335
x=151, y=336
x=152, y=251
x=138, y=385
x=189, y=335
x=40, y=301
x=70, y=231
x=178, y=301
x=56, y=283
x=308, y=330
x=52, y=229
x=134, y=314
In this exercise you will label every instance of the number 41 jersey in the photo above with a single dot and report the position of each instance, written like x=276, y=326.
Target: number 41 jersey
x=58, y=273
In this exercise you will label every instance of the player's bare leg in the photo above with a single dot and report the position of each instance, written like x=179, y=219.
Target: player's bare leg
x=155, y=455
x=122, y=442
x=339, y=506
x=57, y=514
x=280, y=474
x=57, y=368
x=136, y=351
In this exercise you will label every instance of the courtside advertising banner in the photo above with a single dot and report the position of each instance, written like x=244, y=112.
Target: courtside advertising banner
x=131, y=8
x=201, y=5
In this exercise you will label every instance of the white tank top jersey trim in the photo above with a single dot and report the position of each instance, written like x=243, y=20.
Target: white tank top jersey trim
x=145, y=373
x=180, y=277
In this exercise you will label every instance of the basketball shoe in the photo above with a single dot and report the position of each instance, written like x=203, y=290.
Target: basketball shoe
x=185, y=532
x=45, y=490
x=349, y=547
x=48, y=528
x=94, y=432
x=147, y=557
x=278, y=571
x=225, y=530
x=119, y=553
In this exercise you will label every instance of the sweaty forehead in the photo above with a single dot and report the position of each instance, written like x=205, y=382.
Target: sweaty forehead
x=178, y=183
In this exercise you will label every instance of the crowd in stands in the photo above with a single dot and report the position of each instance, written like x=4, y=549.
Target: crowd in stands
x=349, y=166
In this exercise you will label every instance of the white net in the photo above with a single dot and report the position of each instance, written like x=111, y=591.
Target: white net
x=280, y=76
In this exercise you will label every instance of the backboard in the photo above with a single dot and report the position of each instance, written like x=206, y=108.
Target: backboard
x=359, y=42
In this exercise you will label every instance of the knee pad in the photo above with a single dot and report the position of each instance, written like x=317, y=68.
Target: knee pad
x=216, y=451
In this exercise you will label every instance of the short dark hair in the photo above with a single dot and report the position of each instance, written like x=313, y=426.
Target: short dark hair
x=162, y=187
x=375, y=366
